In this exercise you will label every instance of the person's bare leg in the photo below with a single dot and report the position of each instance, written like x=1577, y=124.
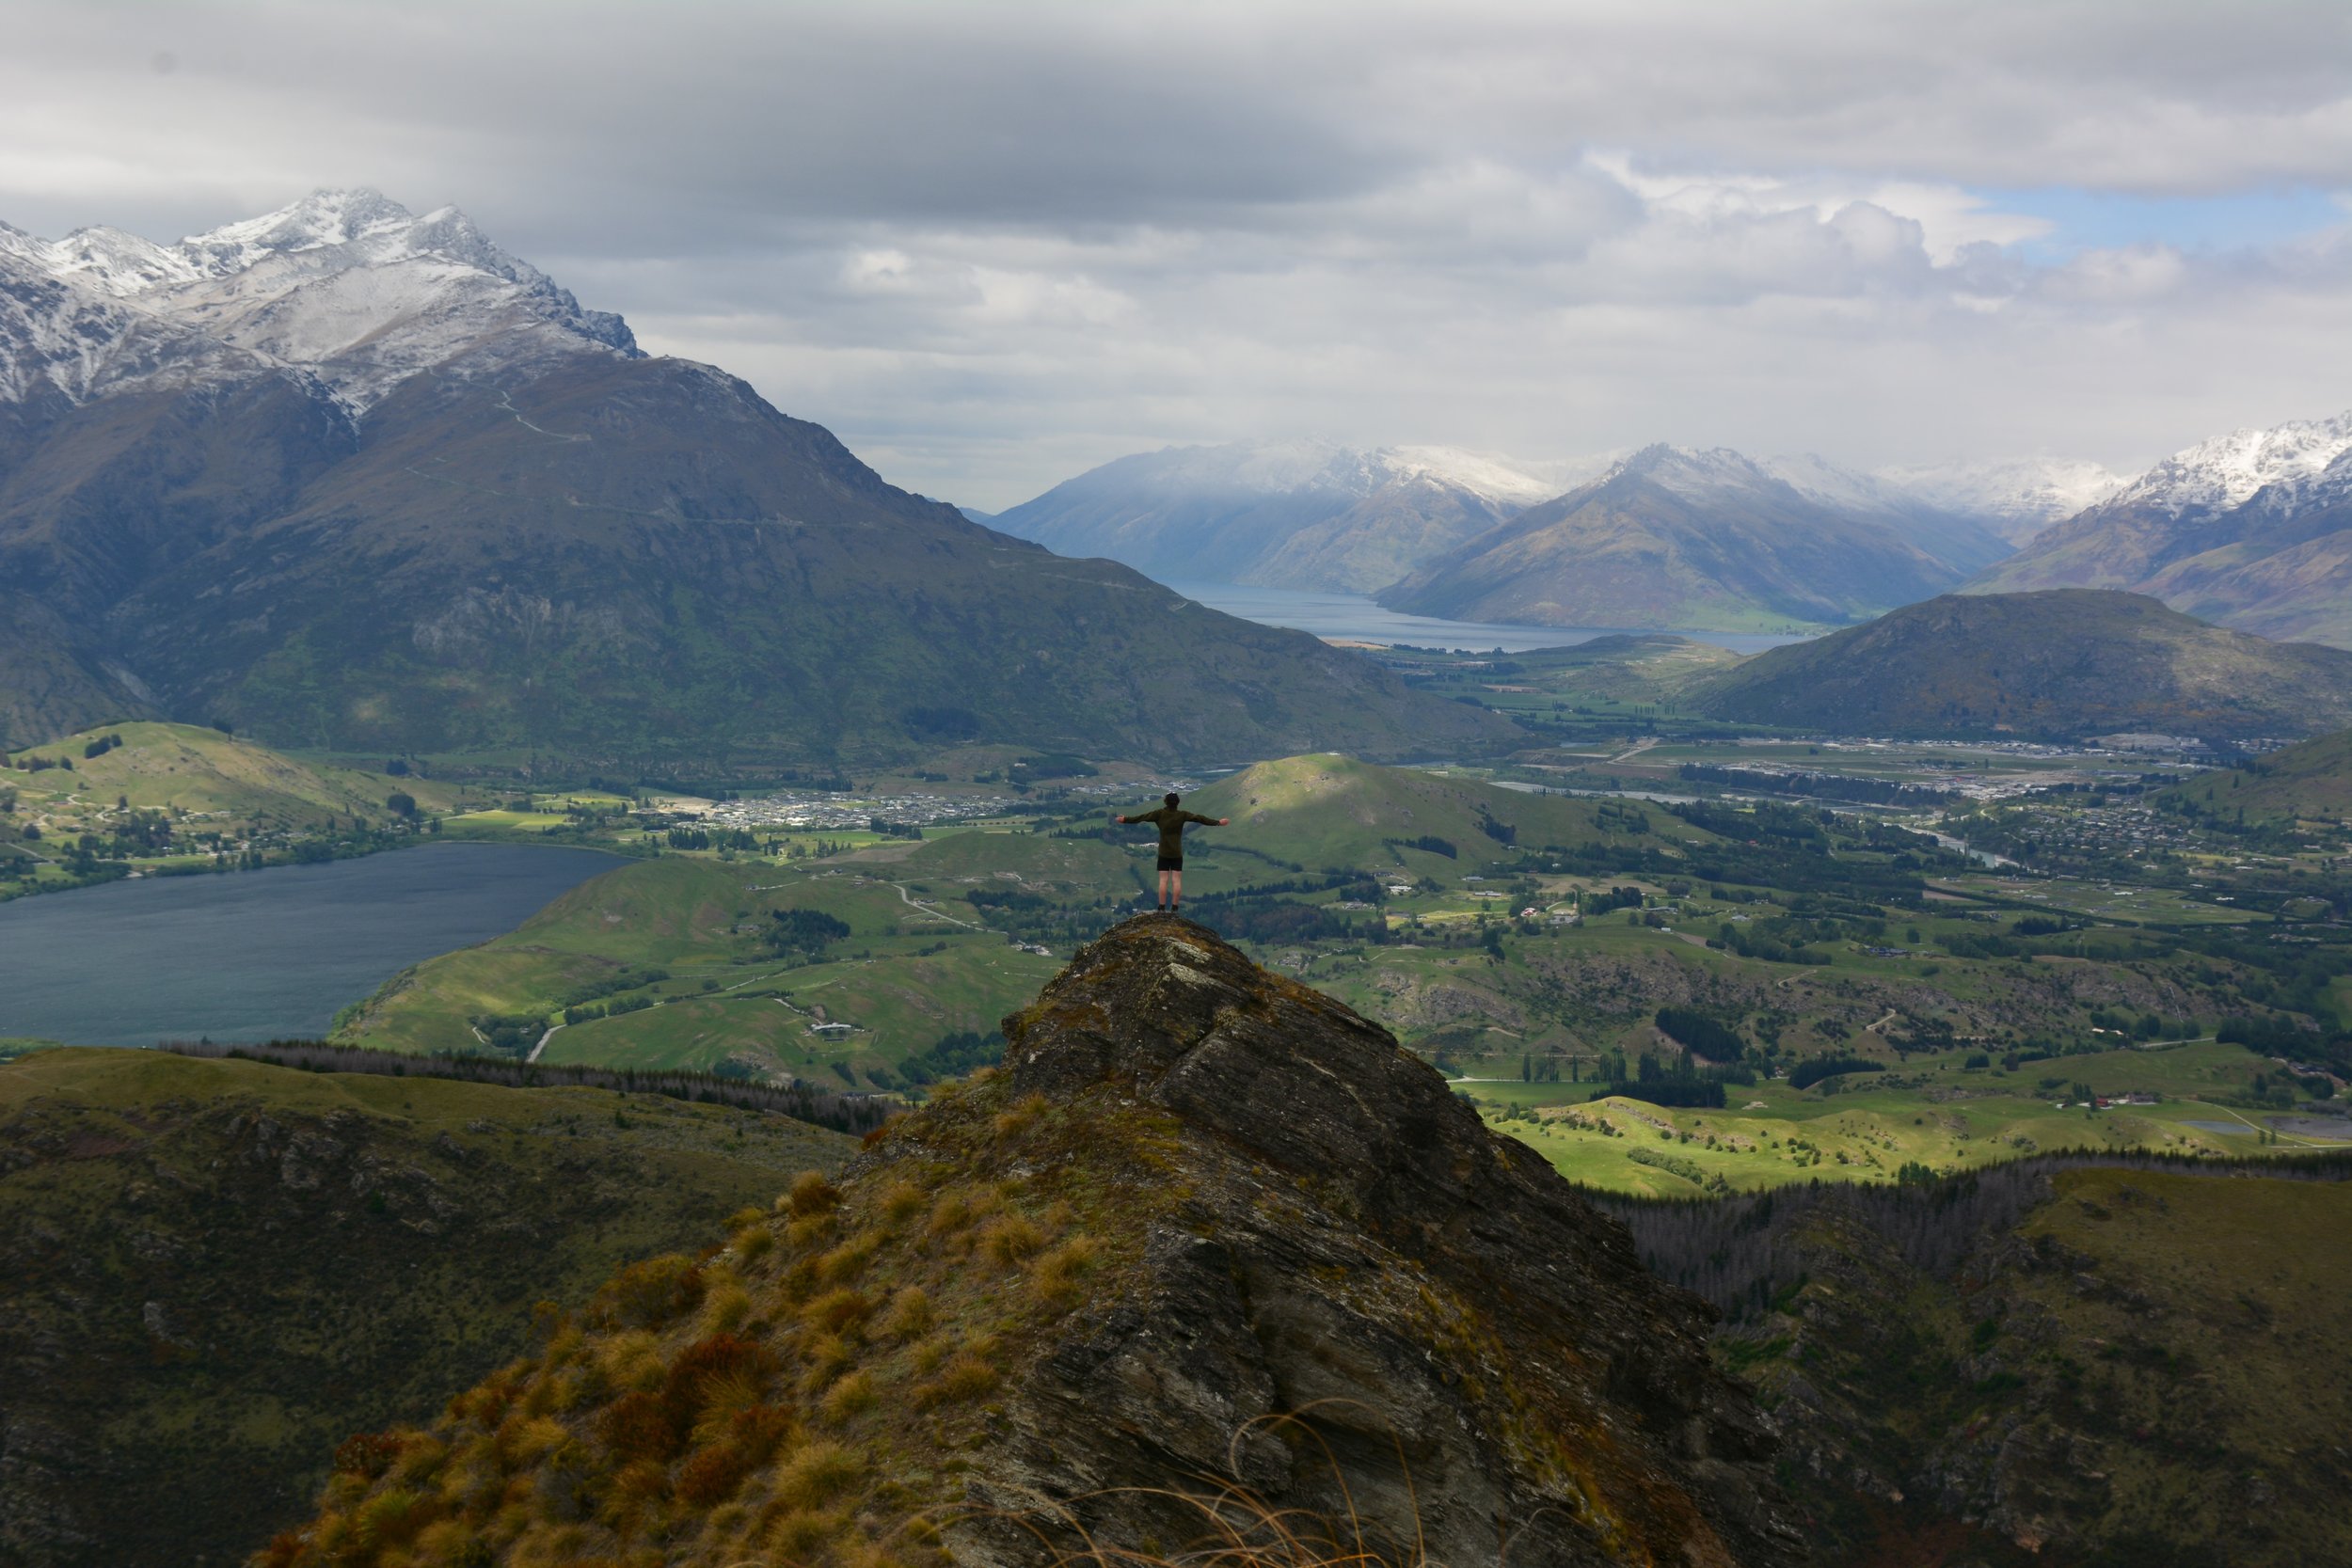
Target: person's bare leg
x=1176, y=888
x=1164, y=875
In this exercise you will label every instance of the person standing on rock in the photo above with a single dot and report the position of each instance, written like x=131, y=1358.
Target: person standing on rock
x=1171, y=821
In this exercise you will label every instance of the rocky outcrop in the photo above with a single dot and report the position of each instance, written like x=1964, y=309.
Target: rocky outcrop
x=1477, y=1347
x=1211, y=1251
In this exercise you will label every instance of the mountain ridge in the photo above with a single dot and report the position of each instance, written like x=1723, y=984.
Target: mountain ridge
x=1676, y=538
x=1208, y=1233
x=2251, y=530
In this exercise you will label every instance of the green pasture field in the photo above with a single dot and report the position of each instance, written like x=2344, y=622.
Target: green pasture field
x=1939, y=1114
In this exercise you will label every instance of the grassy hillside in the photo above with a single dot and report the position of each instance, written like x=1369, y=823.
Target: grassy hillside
x=2138, y=1369
x=675, y=953
x=2061, y=664
x=216, y=1271
x=1333, y=811
x=158, y=795
x=2312, y=781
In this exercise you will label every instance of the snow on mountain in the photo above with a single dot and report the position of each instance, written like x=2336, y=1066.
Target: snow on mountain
x=2016, y=499
x=1295, y=513
x=2229, y=470
x=348, y=286
x=1284, y=467
x=59, y=338
x=1817, y=478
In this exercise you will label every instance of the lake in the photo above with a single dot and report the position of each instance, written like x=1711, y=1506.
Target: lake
x=259, y=955
x=1353, y=616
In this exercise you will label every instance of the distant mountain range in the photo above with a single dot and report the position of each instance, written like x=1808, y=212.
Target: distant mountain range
x=1317, y=515
x=2251, y=530
x=1306, y=514
x=2060, y=665
x=356, y=479
x=1672, y=538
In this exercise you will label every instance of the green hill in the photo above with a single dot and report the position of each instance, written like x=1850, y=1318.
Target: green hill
x=2309, y=781
x=1333, y=811
x=216, y=1271
x=223, y=782
x=2062, y=664
x=669, y=963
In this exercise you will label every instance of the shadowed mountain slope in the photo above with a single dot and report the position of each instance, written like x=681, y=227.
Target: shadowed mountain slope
x=1208, y=1228
x=213, y=1271
x=2062, y=664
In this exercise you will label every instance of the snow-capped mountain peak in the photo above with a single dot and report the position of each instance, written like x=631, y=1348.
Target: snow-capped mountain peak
x=346, y=285
x=2017, y=498
x=1694, y=473
x=2229, y=470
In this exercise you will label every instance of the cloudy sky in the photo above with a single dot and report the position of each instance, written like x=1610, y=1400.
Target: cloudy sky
x=992, y=244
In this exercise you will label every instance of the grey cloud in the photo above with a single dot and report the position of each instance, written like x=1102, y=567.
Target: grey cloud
x=991, y=244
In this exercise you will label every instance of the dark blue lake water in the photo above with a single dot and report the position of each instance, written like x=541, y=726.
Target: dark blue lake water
x=259, y=955
x=1351, y=616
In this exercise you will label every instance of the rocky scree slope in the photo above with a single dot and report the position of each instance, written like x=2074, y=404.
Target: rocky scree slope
x=356, y=480
x=2061, y=664
x=1208, y=1232
x=212, y=1272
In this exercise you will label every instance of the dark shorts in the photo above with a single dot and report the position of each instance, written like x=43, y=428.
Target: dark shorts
x=1171, y=862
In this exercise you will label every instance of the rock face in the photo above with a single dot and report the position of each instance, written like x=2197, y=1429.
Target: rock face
x=1210, y=1248
x=1476, y=1346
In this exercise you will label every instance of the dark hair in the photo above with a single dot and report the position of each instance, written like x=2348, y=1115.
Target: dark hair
x=1171, y=798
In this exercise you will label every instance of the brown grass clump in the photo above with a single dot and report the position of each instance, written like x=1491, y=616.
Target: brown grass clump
x=651, y=1294
x=901, y=1203
x=1020, y=1115
x=726, y=1307
x=823, y=1358
x=812, y=1194
x=752, y=1242
x=837, y=1310
x=909, y=1315
x=1057, y=1277
x=801, y=1534
x=848, y=1260
x=852, y=1394
x=966, y=1376
x=817, y=1474
x=1009, y=1238
x=959, y=1209
x=630, y=1360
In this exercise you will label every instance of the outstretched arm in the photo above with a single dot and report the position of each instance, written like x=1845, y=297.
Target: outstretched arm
x=1206, y=821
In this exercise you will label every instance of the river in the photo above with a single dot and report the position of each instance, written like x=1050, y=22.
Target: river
x=1351, y=616
x=259, y=955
